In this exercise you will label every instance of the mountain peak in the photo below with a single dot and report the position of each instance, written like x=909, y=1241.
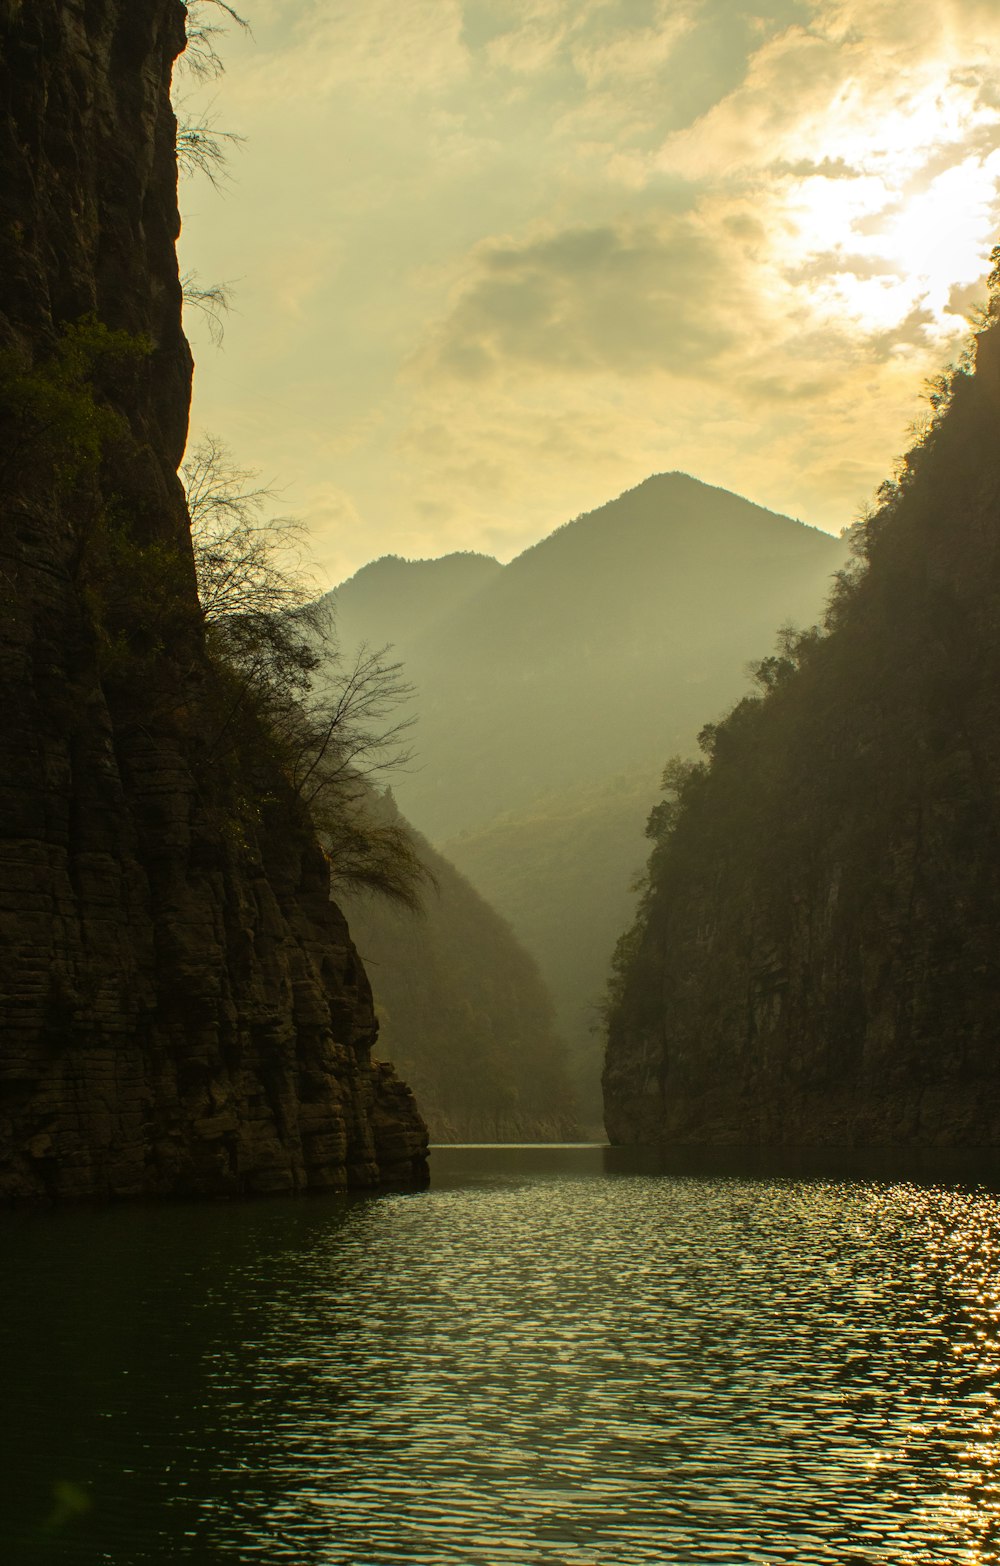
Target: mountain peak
x=394, y=598
x=666, y=518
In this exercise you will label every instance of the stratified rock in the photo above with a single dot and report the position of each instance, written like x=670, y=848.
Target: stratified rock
x=182, y=1010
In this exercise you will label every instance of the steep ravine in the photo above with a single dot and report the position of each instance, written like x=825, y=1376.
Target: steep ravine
x=818, y=957
x=182, y=1010
x=464, y=1011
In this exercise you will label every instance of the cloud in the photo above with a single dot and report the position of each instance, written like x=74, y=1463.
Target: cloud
x=846, y=186
x=629, y=297
x=629, y=58
x=309, y=51
x=871, y=88
x=500, y=259
x=607, y=44
x=874, y=129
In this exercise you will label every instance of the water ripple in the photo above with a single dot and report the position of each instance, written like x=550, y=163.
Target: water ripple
x=534, y=1363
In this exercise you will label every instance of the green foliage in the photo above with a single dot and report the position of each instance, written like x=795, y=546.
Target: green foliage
x=681, y=782
x=830, y=867
x=864, y=535
x=139, y=597
x=54, y=415
x=680, y=777
x=64, y=435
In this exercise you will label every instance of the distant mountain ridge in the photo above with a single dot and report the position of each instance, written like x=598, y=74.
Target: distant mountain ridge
x=525, y=671
x=595, y=655
x=392, y=600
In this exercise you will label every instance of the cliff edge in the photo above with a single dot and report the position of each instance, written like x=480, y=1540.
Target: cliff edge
x=182, y=1010
x=816, y=958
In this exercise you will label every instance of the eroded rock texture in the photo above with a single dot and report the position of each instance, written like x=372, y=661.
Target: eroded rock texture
x=182, y=1009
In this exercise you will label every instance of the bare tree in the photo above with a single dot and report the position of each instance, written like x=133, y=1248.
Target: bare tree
x=333, y=725
x=201, y=147
x=213, y=301
x=201, y=56
x=248, y=562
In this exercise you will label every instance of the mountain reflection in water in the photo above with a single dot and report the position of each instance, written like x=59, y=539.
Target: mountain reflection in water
x=563, y=1356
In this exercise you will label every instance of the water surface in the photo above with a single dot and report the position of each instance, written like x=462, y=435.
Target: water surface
x=555, y=1356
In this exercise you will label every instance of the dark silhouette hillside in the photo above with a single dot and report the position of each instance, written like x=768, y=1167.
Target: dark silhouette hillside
x=182, y=1012
x=816, y=954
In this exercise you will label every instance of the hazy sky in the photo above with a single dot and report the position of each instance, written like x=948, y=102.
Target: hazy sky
x=497, y=260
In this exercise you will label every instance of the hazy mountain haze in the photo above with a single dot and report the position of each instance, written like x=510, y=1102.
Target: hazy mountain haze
x=393, y=600
x=462, y=1008
x=552, y=671
x=551, y=691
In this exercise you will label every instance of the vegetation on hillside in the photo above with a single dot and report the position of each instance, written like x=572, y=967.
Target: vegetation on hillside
x=822, y=899
x=463, y=1011
x=562, y=871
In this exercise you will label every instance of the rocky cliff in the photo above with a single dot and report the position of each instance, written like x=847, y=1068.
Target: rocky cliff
x=817, y=959
x=182, y=1010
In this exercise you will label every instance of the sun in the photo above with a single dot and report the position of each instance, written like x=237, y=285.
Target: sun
x=897, y=224
x=943, y=232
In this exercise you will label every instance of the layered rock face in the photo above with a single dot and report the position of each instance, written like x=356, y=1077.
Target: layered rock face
x=818, y=958
x=182, y=1010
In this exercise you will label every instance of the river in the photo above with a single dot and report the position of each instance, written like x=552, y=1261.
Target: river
x=552, y=1357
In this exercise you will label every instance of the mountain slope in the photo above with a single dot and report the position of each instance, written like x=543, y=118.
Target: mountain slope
x=601, y=647
x=562, y=871
x=816, y=959
x=464, y=1013
x=394, y=600
x=551, y=694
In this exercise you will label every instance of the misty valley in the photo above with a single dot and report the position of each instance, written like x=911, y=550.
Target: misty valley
x=499, y=1056
x=549, y=694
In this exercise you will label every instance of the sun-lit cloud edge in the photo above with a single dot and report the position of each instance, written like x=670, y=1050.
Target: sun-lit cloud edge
x=776, y=281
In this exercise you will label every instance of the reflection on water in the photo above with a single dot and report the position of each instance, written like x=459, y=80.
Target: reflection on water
x=553, y=1356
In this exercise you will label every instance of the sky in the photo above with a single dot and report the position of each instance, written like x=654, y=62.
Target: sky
x=495, y=261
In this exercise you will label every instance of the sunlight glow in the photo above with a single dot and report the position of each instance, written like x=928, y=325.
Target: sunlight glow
x=886, y=224
x=944, y=231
